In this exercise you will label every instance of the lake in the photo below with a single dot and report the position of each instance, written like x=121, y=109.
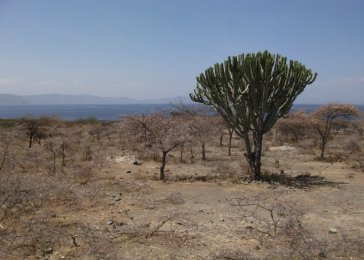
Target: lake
x=102, y=112
x=73, y=112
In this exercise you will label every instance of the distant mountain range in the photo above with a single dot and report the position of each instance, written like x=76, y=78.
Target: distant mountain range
x=58, y=99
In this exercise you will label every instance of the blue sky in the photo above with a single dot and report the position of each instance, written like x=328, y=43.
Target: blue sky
x=152, y=49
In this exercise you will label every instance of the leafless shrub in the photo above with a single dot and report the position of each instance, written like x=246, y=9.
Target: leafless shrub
x=37, y=128
x=294, y=127
x=326, y=120
x=162, y=132
x=81, y=173
x=271, y=215
x=359, y=127
x=6, y=143
x=353, y=147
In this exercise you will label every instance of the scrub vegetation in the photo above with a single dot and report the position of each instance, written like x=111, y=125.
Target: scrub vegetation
x=175, y=184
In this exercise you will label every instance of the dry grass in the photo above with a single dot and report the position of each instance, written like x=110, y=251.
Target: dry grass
x=95, y=207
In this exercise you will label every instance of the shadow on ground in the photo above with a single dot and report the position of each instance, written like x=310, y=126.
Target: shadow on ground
x=300, y=181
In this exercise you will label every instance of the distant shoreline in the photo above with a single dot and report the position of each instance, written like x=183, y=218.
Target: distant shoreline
x=101, y=111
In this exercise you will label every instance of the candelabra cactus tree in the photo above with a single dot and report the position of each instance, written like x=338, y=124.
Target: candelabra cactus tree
x=251, y=92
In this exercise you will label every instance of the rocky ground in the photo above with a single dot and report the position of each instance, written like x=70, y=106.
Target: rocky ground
x=204, y=210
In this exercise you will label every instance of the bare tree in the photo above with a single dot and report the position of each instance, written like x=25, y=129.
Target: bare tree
x=161, y=131
x=36, y=128
x=6, y=141
x=324, y=119
x=294, y=125
x=222, y=127
x=201, y=130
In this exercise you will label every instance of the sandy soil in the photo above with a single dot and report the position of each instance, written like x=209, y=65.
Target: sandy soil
x=124, y=212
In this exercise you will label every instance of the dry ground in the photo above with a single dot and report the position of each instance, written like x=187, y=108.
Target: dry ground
x=123, y=212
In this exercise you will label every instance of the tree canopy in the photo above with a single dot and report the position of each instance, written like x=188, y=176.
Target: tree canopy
x=251, y=92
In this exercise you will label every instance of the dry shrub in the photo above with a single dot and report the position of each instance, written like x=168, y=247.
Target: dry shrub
x=271, y=215
x=26, y=212
x=338, y=247
x=173, y=198
x=328, y=121
x=277, y=223
x=294, y=127
x=352, y=147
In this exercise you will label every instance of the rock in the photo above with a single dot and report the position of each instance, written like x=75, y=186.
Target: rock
x=125, y=211
x=332, y=230
x=249, y=227
x=282, y=148
x=136, y=162
x=117, y=199
x=48, y=250
x=127, y=158
x=110, y=222
x=128, y=172
x=322, y=255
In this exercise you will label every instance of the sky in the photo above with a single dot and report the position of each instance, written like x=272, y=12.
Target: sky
x=155, y=48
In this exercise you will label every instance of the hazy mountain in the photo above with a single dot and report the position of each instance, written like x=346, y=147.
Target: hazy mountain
x=8, y=99
x=58, y=99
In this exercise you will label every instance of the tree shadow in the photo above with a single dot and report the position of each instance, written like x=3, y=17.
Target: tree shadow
x=302, y=181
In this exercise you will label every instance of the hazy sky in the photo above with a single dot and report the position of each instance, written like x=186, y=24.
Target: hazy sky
x=151, y=49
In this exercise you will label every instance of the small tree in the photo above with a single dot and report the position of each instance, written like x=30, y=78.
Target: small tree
x=6, y=142
x=326, y=121
x=199, y=128
x=159, y=131
x=222, y=126
x=36, y=128
x=251, y=92
x=293, y=127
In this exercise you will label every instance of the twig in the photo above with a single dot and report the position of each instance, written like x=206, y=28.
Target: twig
x=4, y=240
x=157, y=227
x=6, y=199
x=74, y=241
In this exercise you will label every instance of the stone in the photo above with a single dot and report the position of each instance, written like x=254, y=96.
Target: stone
x=322, y=255
x=110, y=222
x=332, y=230
x=48, y=250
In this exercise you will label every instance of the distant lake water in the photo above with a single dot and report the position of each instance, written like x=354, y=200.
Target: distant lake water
x=73, y=112
x=102, y=112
